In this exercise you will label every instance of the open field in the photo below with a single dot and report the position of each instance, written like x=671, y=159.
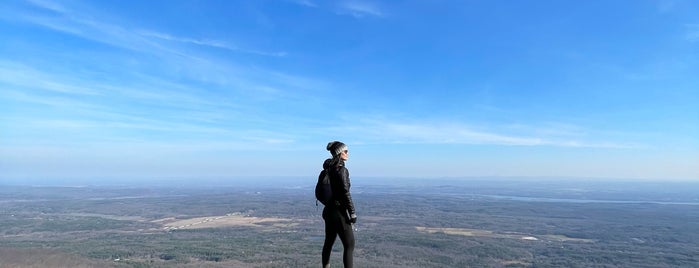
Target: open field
x=509, y=235
x=229, y=220
x=399, y=226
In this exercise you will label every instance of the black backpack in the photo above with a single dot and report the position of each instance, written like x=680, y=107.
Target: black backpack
x=324, y=192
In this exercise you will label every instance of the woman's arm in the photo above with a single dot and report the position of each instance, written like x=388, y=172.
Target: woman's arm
x=346, y=198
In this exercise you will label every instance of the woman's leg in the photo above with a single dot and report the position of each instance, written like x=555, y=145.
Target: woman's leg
x=330, y=236
x=347, y=238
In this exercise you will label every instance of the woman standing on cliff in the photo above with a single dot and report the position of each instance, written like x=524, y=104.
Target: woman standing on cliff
x=339, y=214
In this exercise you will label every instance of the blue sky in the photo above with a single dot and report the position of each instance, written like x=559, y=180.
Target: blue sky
x=157, y=89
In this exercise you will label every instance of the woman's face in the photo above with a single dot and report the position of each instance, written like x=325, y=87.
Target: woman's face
x=344, y=155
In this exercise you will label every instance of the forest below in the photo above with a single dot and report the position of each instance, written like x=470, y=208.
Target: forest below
x=441, y=224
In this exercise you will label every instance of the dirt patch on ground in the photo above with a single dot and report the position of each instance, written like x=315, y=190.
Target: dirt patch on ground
x=487, y=233
x=564, y=238
x=516, y=263
x=228, y=220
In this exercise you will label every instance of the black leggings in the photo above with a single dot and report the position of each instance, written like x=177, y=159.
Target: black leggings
x=337, y=224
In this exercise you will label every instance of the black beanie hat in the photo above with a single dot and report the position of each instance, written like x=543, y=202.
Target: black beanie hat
x=336, y=147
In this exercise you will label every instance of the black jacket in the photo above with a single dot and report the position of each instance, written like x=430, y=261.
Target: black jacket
x=340, y=184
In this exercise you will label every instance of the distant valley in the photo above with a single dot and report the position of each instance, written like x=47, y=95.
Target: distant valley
x=403, y=223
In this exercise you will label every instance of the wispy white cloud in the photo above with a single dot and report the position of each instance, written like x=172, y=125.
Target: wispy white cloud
x=252, y=80
x=307, y=3
x=89, y=95
x=20, y=75
x=72, y=22
x=72, y=106
x=391, y=131
x=53, y=6
x=433, y=133
x=692, y=33
x=355, y=8
x=90, y=29
x=30, y=84
x=361, y=9
x=209, y=43
x=665, y=6
x=109, y=128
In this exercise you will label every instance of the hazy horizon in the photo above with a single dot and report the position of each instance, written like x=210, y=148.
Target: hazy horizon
x=287, y=181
